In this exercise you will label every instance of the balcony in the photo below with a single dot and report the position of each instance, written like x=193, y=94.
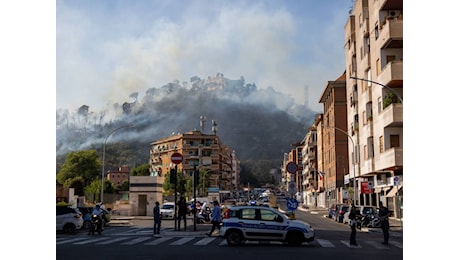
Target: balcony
x=392, y=115
x=392, y=74
x=390, y=34
x=390, y=158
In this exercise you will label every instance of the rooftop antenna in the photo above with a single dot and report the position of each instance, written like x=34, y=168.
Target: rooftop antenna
x=202, y=120
x=214, y=127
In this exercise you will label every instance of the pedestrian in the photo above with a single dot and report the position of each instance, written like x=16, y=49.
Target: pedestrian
x=182, y=212
x=156, y=218
x=216, y=217
x=352, y=220
x=384, y=213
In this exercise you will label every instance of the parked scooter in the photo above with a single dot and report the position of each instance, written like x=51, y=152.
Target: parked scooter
x=204, y=215
x=369, y=220
x=96, y=225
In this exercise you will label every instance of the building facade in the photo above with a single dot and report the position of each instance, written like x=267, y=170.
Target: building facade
x=203, y=151
x=374, y=75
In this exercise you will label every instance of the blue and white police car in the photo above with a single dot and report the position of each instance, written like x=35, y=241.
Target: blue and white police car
x=242, y=223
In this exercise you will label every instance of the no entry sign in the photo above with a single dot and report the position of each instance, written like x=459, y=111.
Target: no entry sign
x=176, y=158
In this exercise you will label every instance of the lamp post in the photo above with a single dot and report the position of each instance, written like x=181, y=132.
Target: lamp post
x=383, y=85
x=103, y=158
x=354, y=153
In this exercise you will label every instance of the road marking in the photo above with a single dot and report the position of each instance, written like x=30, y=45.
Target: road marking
x=396, y=244
x=182, y=241
x=70, y=240
x=205, y=241
x=113, y=240
x=91, y=240
x=159, y=241
x=376, y=244
x=223, y=243
x=347, y=243
x=324, y=243
x=135, y=241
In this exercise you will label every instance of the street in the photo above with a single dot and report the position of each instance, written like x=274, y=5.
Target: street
x=133, y=239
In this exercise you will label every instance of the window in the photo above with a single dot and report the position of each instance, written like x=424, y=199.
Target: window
x=268, y=215
x=248, y=214
x=394, y=140
x=381, y=146
x=365, y=153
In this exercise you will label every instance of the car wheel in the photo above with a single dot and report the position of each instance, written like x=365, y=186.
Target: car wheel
x=87, y=224
x=234, y=238
x=294, y=238
x=69, y=228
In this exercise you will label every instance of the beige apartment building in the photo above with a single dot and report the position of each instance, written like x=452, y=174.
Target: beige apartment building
x=204, y=151
x=374, y=75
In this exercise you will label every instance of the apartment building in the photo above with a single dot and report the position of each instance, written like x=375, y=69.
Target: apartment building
x=118, y=177
x=204, y=151
x=334, y=157
x=374, y=80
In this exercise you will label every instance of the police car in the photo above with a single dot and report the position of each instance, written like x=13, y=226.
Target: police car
x=242, y=223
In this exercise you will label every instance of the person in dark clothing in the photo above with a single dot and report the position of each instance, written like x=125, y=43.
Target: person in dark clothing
x=182, y=212
x=156, y=218
x=352, y=219
x=384, y=213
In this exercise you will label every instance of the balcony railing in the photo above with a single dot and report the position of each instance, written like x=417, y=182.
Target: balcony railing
x=392, y=115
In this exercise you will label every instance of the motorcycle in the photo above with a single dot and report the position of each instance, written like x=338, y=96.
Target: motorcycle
x=369, y=220
x=96, y=225
x=204, y=216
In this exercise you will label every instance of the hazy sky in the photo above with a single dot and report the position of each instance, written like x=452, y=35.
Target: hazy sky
x=106, y=50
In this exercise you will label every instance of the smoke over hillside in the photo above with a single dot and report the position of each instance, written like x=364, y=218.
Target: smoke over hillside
x=257, y=124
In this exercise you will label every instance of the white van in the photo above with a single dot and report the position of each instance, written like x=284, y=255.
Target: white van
x=167, y=210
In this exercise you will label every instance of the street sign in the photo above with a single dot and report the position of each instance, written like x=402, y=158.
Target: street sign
x=291, y=167
x=292, y=204
x=292, y=188
x=176, y=158
x=396, y=181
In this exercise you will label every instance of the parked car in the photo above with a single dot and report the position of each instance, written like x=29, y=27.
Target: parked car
x=333, y=209
x=167, y=210
x=345, y=216
x=68, y=219
x=260, y=223
x=340, y=212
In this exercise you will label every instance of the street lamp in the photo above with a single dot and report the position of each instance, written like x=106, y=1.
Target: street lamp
x=354, y=167
x=103, y=159
x=383, y=85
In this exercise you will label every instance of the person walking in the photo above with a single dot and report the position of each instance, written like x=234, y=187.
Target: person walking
x=182, y=212
x=352, y=220
x=384, y=213
x=156, y=218
x=216, y=217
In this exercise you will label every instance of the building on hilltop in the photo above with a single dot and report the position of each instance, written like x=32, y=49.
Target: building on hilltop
x=203, y=151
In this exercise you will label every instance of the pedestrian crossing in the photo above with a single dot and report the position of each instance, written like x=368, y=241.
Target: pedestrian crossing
x=205, y=241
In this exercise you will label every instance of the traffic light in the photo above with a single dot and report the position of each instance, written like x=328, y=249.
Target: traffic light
x=172, y=176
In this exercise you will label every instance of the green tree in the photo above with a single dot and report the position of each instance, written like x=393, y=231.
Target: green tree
x=93, y=191
x=78, y=183
x=85, y=164
x=141, y=170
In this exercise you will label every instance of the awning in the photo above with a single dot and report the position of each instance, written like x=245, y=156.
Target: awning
x=393, y=191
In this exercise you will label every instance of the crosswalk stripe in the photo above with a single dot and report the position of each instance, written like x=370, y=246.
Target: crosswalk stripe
x=377, y=245
x=324, y=243
x=111, y=241
x=205, y=241
x=135, y=241
x=223, y=243
x=69, y=241
x=396, y=244
x=159, y=241
x=91, y=240
x=181, y=241
x=347, y=243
